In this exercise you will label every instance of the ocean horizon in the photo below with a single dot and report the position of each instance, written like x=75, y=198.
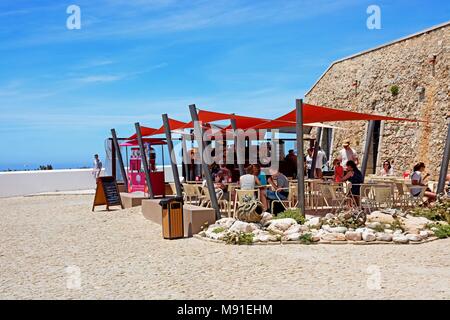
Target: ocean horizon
x=35, y=166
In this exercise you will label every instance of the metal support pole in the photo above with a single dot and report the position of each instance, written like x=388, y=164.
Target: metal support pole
x=113, y=160
x=300, y=159
x=144, y=160
x=198, y=130
x=186, y=158
x=176, y=176
x=316, y=150
x=445, y=160
x=238, y=154
x=119, y=154
x=369, y=139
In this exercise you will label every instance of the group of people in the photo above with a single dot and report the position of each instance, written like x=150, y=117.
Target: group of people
x=253, y=179
x=348, y=159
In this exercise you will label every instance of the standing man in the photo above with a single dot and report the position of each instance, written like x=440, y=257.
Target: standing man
x=320, y=160
x=291, y=160
x=347, y=154
x=97, y=170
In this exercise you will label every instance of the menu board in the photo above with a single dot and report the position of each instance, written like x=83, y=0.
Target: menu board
x=107, y=193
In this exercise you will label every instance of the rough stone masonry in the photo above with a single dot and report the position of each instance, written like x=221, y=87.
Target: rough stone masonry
x=418, y=66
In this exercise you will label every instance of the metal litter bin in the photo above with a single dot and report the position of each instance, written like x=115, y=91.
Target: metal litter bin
x=172, y=218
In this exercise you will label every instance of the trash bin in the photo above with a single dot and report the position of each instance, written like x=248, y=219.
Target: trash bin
x=172, y=218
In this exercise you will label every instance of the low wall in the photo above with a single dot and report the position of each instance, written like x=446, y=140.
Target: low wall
x=20, y=183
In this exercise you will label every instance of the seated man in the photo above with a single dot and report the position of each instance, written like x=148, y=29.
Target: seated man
x=280, y=185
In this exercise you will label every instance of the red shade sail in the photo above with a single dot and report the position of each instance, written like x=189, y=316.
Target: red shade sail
x=173, y=124
x=242, y=122
x=151, y=141
x=313, y=114
x=145, y=131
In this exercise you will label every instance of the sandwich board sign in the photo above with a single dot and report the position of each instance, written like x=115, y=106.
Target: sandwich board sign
x=107, y=193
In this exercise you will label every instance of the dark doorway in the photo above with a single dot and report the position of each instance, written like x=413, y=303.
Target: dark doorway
x=374, y=149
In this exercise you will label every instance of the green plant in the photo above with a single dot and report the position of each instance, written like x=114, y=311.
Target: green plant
x=239, y=238
x=397, y=224
x=395, y=90
x=379, y=228
x=218, y=230
x=439, y=212
x=293, y=214
x=441, y=231
x=306, y=238
x=345, y=219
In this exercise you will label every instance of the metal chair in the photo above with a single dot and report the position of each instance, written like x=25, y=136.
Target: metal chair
x=290, y=202
x=206, y=200
x=192, y=194
x=416, y=201
x=336, y=197
x=377, y=196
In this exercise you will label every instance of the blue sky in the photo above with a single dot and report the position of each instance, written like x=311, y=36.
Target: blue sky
x=62, y=90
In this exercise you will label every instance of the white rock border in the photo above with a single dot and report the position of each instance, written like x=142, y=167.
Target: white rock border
x=321, y=242
x=332, y=229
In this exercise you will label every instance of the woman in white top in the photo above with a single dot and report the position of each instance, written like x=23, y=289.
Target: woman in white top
x=387, y=169
x=250, y=182
x=418, y=180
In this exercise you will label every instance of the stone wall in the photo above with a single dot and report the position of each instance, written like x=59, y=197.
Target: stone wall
x=423, y=94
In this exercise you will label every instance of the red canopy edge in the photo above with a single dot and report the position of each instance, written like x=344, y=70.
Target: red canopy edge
x=145, y=131
x=312, y=114
x=173, y=124
x=151, y=141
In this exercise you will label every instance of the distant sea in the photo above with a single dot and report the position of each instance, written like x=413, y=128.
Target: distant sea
x=35, y=166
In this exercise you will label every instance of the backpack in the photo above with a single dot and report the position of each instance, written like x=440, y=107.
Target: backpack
x=249, y=210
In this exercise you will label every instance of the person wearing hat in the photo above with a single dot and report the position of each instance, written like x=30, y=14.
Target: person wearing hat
x=347, y=154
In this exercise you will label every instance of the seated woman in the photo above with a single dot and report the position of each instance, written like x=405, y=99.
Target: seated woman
x=221, y=179
x=257, y=172
x=355, y=177
x=417, y=179
x=338, y=171
x=387, y=169
x=249, y=182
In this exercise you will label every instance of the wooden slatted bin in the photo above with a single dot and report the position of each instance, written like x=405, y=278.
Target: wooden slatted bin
x=172, y=218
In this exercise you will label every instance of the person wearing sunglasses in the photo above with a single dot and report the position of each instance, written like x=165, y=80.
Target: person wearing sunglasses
x=387, y=169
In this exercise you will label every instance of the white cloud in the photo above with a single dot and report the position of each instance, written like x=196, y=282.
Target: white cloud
x=124, y=19
x=99, y=78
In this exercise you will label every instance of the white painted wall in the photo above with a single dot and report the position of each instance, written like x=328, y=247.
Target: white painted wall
x=20, y=183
